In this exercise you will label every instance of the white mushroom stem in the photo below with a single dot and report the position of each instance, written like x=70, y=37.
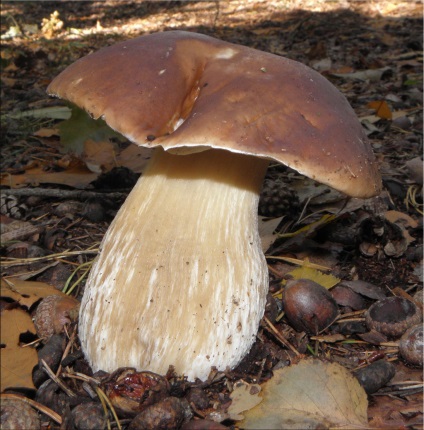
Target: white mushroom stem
x=181, y=278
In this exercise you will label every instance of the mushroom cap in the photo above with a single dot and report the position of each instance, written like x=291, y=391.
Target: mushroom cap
x=189, y=92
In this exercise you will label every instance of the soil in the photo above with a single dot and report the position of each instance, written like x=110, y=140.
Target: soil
x=370, y=50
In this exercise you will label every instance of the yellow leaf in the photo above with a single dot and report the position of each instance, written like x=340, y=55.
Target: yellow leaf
x=309, y=229
x=305, y=272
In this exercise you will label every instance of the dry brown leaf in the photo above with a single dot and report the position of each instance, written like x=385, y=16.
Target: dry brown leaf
x=46, y=132
x=16, y=362
x=77, y=176
x=99, y=156
x=404, y=219
x=134, y=157
x=26, y=293
x=311, y=393
x=103, y=156
x=381, y=108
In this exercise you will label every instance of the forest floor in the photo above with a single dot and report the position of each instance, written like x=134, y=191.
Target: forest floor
x=59, y=195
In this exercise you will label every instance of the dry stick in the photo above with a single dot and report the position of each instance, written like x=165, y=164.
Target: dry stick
x=44, y=409
x=280, y=337
x=63, y=194
x=49, y=372
x=66, y=352
x=58, y=193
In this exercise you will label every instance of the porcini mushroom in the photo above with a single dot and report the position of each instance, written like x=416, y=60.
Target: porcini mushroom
x=181, y=278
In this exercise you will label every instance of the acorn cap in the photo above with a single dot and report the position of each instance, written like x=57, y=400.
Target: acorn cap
x=392, y=316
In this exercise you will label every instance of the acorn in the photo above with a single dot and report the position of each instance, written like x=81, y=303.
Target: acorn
x=411, y=345
x=392, y=316
x=53, y=313
x=309, y=306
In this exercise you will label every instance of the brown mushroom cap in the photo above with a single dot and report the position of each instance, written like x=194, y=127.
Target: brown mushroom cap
x=186, y=91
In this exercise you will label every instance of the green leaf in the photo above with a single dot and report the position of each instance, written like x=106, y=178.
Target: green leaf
x=80, y=127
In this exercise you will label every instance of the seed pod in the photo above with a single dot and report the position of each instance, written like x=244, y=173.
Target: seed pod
x=53, y=313
x=309, y=306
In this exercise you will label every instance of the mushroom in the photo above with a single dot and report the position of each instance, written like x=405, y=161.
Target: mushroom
x=181, y=278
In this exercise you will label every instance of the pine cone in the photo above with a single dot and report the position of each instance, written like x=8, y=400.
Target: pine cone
x=277, y=200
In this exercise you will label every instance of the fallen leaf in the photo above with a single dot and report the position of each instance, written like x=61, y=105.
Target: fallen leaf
x=382, y=109
x=77, y=176
x=26, y=293
x=245, y=396
x=311, y=394
x=310, y=229
x=305, y=272
x=16, y=362
x=102, y=157
x=266, y=227
x=46, y=132
x=366, y=289
x=404, y=219
x=99, y=156
x=80, y=127
x=372, y=75
x=134, y=157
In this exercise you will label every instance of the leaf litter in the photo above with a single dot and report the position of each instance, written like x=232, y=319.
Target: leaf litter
x=380, y=79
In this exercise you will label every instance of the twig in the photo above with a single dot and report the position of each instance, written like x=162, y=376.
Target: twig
x=63, y=194
x=44, y=409
x=280, y=337
x=66, y=352
x=49, y=372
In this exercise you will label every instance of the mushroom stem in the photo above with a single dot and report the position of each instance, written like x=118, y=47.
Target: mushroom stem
x=181, y=278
